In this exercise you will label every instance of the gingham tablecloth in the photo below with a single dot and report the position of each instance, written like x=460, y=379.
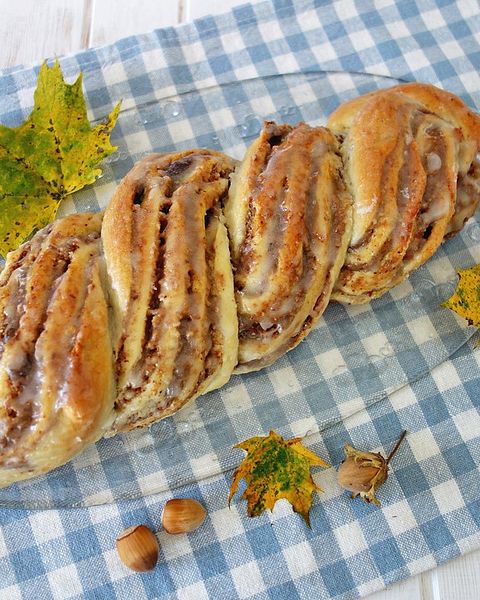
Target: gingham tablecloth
x=362, y=376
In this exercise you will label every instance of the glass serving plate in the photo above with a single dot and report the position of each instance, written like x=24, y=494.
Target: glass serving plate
x=354, y=356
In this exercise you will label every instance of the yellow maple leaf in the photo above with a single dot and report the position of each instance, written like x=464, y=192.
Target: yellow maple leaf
x=275, y=468
x=466, y=299
x=55, y=152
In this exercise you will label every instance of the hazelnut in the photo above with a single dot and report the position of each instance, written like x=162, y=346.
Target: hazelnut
x=363, y=472
x=182, y=515
x=138, y=549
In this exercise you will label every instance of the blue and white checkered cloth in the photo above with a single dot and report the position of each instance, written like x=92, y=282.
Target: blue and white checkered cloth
x=362, y=376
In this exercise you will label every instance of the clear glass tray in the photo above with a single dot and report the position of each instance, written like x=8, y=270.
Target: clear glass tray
x=354, y=356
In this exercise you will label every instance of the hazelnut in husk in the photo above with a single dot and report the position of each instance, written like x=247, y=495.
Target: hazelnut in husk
x=363, y=472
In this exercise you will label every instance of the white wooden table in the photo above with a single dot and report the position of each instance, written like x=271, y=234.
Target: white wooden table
x=31, y=30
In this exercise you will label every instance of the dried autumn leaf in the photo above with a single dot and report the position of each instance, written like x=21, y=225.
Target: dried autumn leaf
x=53, y=153
x=466, y=298
x=275, y=468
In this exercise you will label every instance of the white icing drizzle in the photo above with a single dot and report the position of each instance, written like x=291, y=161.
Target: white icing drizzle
x=437, y=210
x=365, y=209
x=434, y=162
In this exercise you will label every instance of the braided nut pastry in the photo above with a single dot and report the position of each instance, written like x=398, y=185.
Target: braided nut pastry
x=56, y=369
x=411, y=168
x=110, y=322
x=289, y=219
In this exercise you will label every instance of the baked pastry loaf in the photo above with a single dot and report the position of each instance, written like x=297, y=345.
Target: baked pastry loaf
x=56, y=370
x=168, y=262
x=110, y=322
x=289, y=218
x=411, y=168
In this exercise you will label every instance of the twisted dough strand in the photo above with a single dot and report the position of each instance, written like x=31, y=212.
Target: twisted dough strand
x=167, y=254
x=290, y=219
x=56, y=372
x=410, y=157
x=113, y=321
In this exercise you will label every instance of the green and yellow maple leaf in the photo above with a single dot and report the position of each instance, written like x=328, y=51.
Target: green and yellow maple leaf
x=55, y=152
x=275, y=468
x=465, y=301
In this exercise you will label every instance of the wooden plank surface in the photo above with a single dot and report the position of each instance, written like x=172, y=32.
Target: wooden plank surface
x=457, y=580
x=194, y=9
x=32, y=30
x=410, y=589
x=114, y=20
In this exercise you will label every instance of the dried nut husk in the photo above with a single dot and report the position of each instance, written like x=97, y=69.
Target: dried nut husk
x=138, y=548
x=362, y=473
x=182, y=515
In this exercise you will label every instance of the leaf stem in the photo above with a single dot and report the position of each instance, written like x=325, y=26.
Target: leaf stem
x=397, y=446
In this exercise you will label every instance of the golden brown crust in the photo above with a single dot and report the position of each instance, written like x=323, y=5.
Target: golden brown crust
x=435, y=100
x=289, y=219
x=409, y=156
